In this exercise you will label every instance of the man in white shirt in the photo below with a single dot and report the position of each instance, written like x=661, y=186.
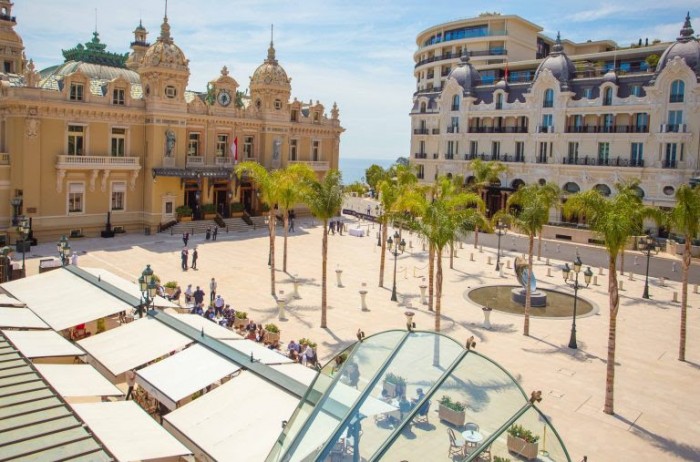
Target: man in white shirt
x=218, y=306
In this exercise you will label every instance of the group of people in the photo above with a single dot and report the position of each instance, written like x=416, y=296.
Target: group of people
x=303, y=354
x=184, y=258
x=336, y=224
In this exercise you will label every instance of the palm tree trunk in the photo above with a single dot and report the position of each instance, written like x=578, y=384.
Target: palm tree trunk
x=476, y=237
x=684, y=296
x=452, y=254
x=528, y=292
x=382, y=257
x=285, y=221
x=612, y=331
x=324, y=267
x=271, y=223
x=622, y=262
x=438, y=291
x=539, y=246
x=431, y=272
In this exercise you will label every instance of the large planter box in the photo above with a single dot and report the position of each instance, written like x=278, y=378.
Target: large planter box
x=272, y=337
x=236, y=214
x=210, y=216
x=390, y=389
x=523, y=448
x=239, y=323
x=188, y=218
x=456, y=418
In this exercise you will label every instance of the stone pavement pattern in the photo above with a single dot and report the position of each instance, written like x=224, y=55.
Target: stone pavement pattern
x=656, y=396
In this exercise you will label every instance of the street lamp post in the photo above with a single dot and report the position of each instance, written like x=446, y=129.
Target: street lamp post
x=587, y=275
x=64, y=250
x=23, y=230
x=148, y=287
x=650, y=245
x=396, y=246
x=501, y=230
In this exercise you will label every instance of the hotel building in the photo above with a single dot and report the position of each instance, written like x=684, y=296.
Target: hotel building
x=582, y=115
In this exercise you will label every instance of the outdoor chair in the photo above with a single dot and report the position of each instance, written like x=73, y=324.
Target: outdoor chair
x=423, y=413
x=456, y=444
x=471, y=426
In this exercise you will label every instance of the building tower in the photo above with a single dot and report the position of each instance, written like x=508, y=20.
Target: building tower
x=138, y=47
x=11, y=46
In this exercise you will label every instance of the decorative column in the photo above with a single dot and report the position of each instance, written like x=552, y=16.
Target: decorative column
x=281, y=305
x=295, y=280
x=363, y=296
x=423, y=287
x=487, y=317
x=338, y=274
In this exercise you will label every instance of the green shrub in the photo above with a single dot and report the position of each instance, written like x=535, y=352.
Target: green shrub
x=184, y=211
x=237, y=207
x=306, y=341
x=241, y=315
x=454, y=405
x=652, y=61
x=170, y=285
x=518, y=431
x=208, y=208
x=272, y=328
x=395, y=379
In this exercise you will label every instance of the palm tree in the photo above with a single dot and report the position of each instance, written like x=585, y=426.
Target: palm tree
x=551, y=194
x=614, y=219
x=325, y=198
x=685, y=218
x=531, y=206
x=391, y=190
x=268, y=188
x=290, y=189
x=485, y=173
x=442, y=218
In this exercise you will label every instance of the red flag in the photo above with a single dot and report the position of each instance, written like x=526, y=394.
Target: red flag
x=234, y=149
x=506, y=72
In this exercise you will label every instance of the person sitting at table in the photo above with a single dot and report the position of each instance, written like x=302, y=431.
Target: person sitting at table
x=293, y=355
x=260, y=334
x=251, y=326
x=175, y=297
x=293, y=346
x=251, y=335
x=188, y=294
x=404, y=405
x=419, y=396
x=210, y=313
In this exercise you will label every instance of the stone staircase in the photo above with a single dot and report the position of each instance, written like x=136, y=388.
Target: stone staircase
x=192, y=227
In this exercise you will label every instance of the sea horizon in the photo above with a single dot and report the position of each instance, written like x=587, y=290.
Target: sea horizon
x=353, y=168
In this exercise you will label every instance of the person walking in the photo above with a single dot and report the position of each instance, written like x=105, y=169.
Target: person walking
x=130, y=382
x=215, y=232
x=292, y=215
x=198, y=296
x=212, y=289
x=195, y=255
x=185, y=238
x=207, y=235
x=183, y=258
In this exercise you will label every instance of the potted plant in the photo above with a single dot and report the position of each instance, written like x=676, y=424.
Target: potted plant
x=272, y=333
x=170, y=287
x=522, y=441
x=394, y=385
x=500, y=459
x=209, y=211
x=652, y=61
x=306, y=341
x=184, y=213
x=453, y=412
x=241, y=319
x=237, y=209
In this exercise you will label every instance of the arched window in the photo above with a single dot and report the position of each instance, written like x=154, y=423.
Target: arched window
x=548, y=98
x=517, y=184
x=455, y=103
x=422, y=107
x=677, y=91
x=571, y=187
x=603, y=189
x=607, y=97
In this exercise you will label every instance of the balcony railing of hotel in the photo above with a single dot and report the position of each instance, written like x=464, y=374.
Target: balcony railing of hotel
x=476, y=53
x=499, y=157
x=669, y=164
x=610, y=161
x=449, y=156
x=497, y=129
x=452, y=129
x=97, y=161
x=314, y=164
x=420, y=155
x=607, y=129
x=673, y=128
x=436, y=131
x=436, y=89
x=420, y=131
x=4, y=158
x=194, y=161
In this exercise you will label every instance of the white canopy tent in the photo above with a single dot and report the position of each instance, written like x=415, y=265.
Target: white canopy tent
x=296, y=371
x=20, y=318
x=129, y=287
x=259, y=352
x=6, y=300
x=210, y=328
x=179, y=376
x=209, y=428
x=77, y=380
x=129, y=433
x=64, y=300
x=42, y=343
x=131, y=345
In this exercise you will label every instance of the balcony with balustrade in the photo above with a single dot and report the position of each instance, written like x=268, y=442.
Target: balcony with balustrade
x=70, y=162
x=315, y=165
x=603, y=162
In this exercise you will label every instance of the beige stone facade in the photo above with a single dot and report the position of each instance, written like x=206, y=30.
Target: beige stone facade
x=104, y=132
x=583, y=121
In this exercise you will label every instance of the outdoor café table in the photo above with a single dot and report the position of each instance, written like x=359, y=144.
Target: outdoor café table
x=359, y=232
x=472, y=438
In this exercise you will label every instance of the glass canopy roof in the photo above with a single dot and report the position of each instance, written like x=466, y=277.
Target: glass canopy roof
x=415, y=396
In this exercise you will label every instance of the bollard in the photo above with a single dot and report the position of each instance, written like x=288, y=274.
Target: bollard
x=488, y=261
x=423, y=299
x=500, y=271
x=481, y=249
x=363, y=295
x=663, y=281
x=281, y=305
x=600, y=270
x=460, y=245
x=296, y=287
x=338, y=274
x=695, y=289
x=675, y=297
x=631, y=278
x=487, y=317
x=410, y=245
x=636, y=260
x=455, y=253
x=508, y=264
x=549, y=272
x=595, y=280
x=523, y=256
x=471, y=256
x=547, y=261
x=423, y=246
x=621, y=285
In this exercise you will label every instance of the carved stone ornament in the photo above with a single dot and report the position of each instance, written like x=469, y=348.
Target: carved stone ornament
x=31, y=128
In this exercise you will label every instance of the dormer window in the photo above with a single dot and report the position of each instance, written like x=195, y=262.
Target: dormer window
x=677, y=91
x=499, y=101
x=170, y=92
x=316, y=117
x=607, y=97
x=76, y=91
x=295, y=115
x=455, y=103
x=278, y=104
x=118, y=96
x=548, y=98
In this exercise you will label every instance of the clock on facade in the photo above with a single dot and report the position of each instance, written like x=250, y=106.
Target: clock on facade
x=224, y=98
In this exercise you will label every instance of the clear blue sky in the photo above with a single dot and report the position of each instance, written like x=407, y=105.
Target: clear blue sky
x=356, y=53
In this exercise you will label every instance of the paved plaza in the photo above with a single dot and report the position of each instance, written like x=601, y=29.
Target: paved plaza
x=656, y=404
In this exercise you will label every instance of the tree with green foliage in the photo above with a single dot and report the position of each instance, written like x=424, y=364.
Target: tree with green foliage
x=485, y=174
x=615, y=220
x=375, y=173
x=325, y=198
x=290, y=182
x=685, y=218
